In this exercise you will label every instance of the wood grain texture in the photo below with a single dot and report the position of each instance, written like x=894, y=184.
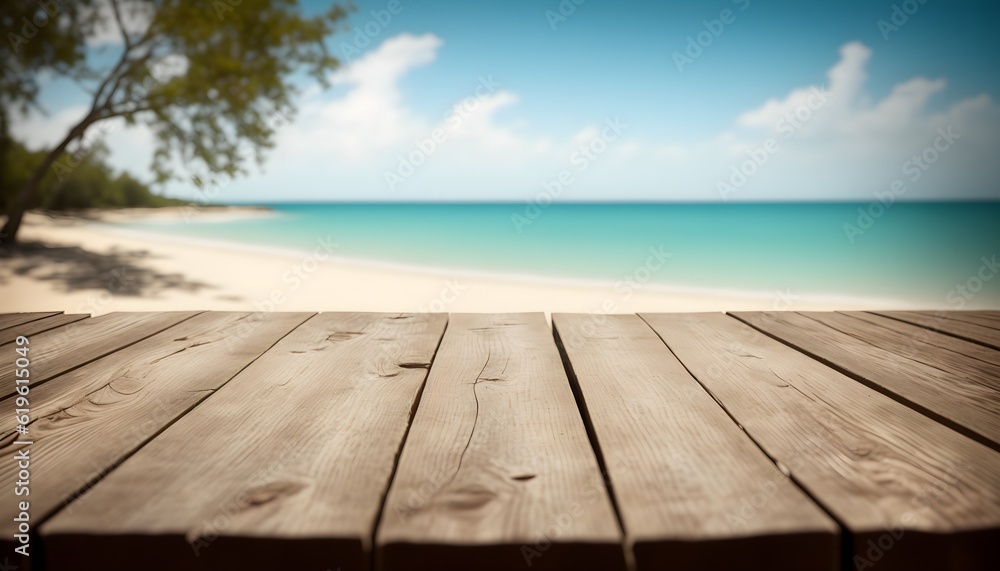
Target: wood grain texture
x=950, y=355
x=497, y=471
x=938, y=322
x=975, y=318
x=15, y=319
x=284, y=467
x=993, y=315
x=959, y=392
x=911, y=492
x=37, y=326
x=60, y=350
x=922, y=335
x=686, y=478
x=87, y=421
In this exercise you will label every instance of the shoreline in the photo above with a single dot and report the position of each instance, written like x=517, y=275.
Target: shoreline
x=203, y=213
x=184, y=273
x=538, y=280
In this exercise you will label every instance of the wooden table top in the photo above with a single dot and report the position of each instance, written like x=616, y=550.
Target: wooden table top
x=350, y=441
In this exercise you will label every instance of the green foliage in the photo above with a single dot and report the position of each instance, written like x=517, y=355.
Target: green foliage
x=91, y=183
x=42, y=35
x=236, y=59
x=212, y=79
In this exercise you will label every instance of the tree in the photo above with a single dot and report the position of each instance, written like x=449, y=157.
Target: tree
x=206, y=77
x=92, y=184
x=36, y=46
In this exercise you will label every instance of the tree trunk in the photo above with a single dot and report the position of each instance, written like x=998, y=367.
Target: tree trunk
x=15, y=212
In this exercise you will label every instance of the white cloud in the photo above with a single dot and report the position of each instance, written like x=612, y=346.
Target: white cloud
x=342, y=143
x=853, y=145
x=849, y=147
x=371, y=116
x=135, y=15
x=362, y=134
x=38, y=130
x=169, y=66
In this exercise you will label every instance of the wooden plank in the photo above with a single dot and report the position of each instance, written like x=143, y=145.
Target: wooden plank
x=89, y=420
x=913, y=493
x=63, y=349
x=284, y=467
x=966, y=317
x=497, y=471
x=968, y=331
x=686, y=478
x=940, y=340
x=40, y=325
x=952, y=357
x=979, y=315
x=962, y=313
x=197, y=339
x=959, y=392
x=15, y=319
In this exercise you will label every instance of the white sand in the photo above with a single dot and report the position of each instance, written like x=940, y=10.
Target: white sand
x=162, y=270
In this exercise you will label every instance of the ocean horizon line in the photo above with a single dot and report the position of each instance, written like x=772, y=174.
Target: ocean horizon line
x=594, y=202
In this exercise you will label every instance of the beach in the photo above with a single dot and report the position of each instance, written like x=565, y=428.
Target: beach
x=90, y=264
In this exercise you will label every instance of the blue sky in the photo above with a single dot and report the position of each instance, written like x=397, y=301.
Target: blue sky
x=552, y=75
x=609, y=55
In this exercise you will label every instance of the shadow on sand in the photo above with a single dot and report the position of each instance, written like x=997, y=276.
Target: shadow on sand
x=72, y=268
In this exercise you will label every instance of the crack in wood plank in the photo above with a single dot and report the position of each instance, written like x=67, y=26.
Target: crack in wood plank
x=475, y=422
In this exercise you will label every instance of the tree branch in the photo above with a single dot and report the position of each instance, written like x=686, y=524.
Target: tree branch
x=116, y=72
x=121, y=25
x=112, y=113
x=104, y=84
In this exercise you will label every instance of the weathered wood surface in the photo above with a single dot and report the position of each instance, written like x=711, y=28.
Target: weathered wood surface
x=32, y=328
x=686, y=479
x=497, y=472
x=985, y=319
x=920, y=335
x=960, y=392
x=911, y=492
x=201, y=441
x=285, y=466
x=939, y=321
x=63, y=349
x=87, y=421
x=14, y=319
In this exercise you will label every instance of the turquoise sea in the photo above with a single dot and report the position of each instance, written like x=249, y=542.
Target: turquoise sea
x=913, y=253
